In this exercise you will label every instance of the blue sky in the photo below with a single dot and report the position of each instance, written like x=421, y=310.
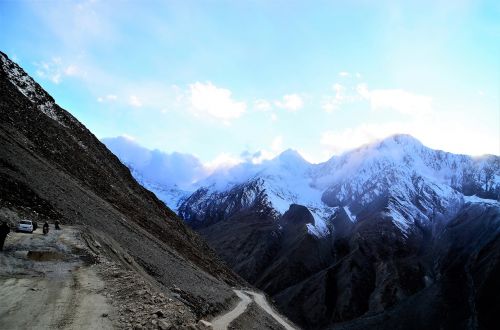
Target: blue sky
x=226, y=79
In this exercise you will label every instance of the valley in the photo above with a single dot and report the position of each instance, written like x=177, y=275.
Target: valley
x=357, y=237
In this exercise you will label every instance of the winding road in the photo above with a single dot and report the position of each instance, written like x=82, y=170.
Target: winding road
x=260, y=299
x=222, y=321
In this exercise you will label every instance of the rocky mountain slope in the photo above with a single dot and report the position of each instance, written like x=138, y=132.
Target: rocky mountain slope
x=364, y=236
x=53, y=168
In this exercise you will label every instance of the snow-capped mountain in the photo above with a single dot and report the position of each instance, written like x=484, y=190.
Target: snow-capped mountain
x=416, y=185
x=273, y=185
x=372, y=228
x=171, y=194
x=420, y=184
x=360, y=239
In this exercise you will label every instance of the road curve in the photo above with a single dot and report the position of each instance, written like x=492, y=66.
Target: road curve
x=261, y=300
x=221, y=322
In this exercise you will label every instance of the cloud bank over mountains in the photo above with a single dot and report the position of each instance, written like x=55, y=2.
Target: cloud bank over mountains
x=186, y=171
x=169, y=169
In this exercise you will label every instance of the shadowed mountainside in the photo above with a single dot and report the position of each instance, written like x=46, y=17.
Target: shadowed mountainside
x=53, y=168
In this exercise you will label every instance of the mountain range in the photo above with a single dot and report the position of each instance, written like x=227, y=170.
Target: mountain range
x=392, y=234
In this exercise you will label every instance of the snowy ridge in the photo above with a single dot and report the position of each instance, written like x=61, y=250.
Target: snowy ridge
x=274, y=184
x=397, y=178
x=351, y=216
x=172, y=196
x=420, y=185
x=475, y=199
x=26, y=85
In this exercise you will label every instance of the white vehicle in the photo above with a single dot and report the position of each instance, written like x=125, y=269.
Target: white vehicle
x=25, y=225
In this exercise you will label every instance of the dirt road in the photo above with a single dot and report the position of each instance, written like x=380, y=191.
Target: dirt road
x=222, y=322
x=52, y=282
x=261, y=300
x=46, y=282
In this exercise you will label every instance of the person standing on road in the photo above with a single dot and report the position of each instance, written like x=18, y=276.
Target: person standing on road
x=4, y=231
x=45, y=228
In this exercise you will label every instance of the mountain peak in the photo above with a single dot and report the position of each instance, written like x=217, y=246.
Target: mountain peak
x=397, y=140
x=291, y=155
x=404, y=139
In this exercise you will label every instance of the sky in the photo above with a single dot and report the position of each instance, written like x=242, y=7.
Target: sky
x=228, y=81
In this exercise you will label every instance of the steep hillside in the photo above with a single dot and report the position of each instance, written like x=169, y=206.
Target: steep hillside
x=53, y=168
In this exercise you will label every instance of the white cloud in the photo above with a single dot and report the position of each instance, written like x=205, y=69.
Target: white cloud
x=263, y=155
x=380, y=99
x=274, y=117
x=134, y=101
x=332, y=103
x=153, y=95
x=343, y=95
x=276, y=147
x=72, y=70
x=129, y=137
x=396, y=99
x=207, y=99
x=277, y=144
x=222, y=161
x=107, y=98
x=339, y=91
x=336, y=142
x=290, y=102
x=428, y=130
x=344, y=74
x=312, y=157
x=262, y=105
x=56, y=69
x=157, y=166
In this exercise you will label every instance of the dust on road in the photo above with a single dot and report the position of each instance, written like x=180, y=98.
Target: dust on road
x=46, y=282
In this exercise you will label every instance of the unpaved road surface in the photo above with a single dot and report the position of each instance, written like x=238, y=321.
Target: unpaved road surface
x=222, y=322
x=262, y=302
x=47, y=283
x=52, y=282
